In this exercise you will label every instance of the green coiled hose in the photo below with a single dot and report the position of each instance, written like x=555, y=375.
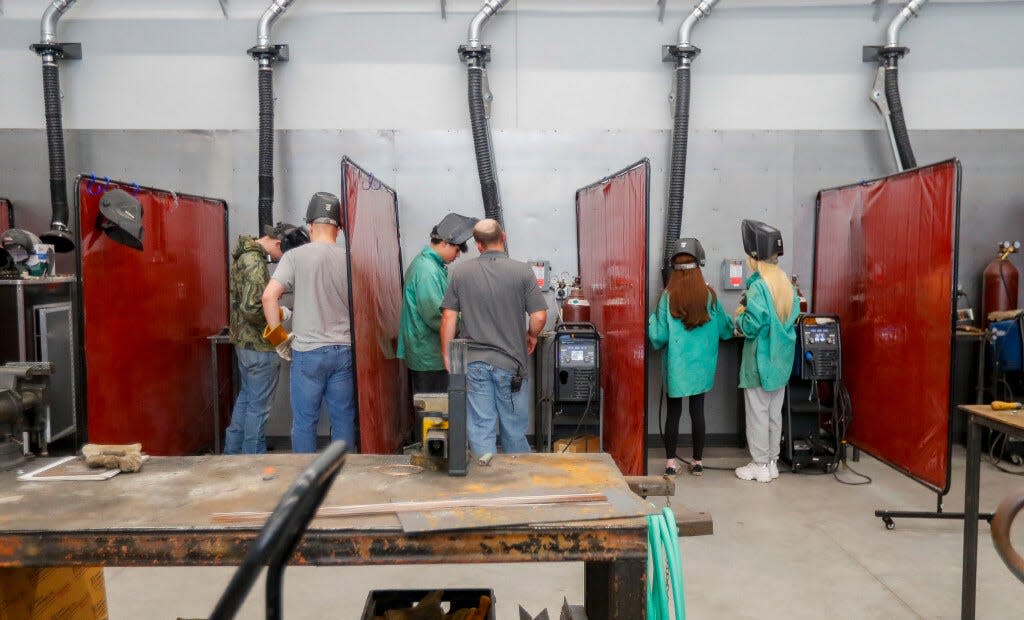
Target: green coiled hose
x=662, y=550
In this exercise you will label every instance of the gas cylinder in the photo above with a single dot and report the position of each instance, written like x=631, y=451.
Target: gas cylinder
x=576, y=309
x=999, y=282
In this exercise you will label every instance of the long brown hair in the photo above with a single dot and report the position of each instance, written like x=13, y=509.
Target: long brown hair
x=688, y=294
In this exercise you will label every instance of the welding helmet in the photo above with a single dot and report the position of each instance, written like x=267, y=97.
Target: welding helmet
x=324, y=208
x=120, y=218
x=692, y=247
x=21, y=253
x=290, y=236
x=761, y=241
x=455, y=229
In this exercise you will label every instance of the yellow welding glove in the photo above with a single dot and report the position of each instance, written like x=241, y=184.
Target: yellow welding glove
x=280, y=339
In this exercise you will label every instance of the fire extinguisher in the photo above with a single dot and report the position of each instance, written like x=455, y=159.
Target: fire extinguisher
x=999, y=281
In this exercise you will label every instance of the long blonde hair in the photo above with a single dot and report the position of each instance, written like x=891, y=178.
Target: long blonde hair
x=778, y=285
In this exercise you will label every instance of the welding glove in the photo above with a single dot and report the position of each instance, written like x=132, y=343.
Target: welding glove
x=281, y=340
x=127, y=458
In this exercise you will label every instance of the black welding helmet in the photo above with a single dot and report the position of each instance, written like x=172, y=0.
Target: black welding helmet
x=290, y=236
x=120, y=218
x=692, y=247
x=761, y=241
x=455, y=229
x=324, y=208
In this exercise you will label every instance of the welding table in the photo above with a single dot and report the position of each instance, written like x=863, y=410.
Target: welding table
x=1011, y=423
x=161, y=516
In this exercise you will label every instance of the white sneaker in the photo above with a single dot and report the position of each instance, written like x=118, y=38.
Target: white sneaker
x=773, y=469
x=754, y=471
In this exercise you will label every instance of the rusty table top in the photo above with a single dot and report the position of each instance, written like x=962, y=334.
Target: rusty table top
x=162, y=515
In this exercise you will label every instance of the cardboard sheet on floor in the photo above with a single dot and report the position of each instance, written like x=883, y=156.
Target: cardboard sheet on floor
x=612, y=239
x=885, y=262
x=147, y=314
x=384, y=405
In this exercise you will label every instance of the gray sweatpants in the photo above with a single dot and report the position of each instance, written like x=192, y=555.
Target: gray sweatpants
x=764, y=423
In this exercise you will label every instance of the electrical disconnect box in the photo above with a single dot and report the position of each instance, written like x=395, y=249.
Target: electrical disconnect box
x=542, y=273
x=732, y=274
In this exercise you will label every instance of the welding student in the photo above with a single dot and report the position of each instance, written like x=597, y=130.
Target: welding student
x=426, y=281
x=766, y=318
x=258, y=362
x=690, y=321
x=320, y=344
x=494, y=294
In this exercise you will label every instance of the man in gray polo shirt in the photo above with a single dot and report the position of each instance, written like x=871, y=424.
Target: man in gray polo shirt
x=494, y=294
x=321, y=340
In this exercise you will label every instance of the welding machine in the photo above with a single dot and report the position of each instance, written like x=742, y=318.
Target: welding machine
x=812, y=430
x=568, y=384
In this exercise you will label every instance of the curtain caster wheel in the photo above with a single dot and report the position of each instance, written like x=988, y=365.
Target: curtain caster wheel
x=889, y=523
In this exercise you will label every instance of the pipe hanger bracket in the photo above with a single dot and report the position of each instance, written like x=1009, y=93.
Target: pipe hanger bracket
x=275, y=53
x=676, y=53
x=483, y=53
x=64, y=51
x=880, y=53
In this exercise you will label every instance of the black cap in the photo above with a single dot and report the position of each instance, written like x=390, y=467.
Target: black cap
x=324, y=208
x=120, y=218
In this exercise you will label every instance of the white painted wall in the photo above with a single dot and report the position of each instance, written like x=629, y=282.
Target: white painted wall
x=558, y=64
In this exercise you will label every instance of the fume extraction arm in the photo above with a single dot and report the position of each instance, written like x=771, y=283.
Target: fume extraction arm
x=476, y=56
x=682, y=55
x=50, y=51
x=885, y=93
x=266, y=54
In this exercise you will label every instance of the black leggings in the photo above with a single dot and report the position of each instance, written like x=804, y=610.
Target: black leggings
x=675, y=411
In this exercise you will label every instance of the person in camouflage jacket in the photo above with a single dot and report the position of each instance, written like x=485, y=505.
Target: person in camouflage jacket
x=258, y=362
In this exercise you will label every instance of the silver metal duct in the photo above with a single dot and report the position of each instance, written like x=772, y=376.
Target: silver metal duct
x=48, y=28
x=892, y=37
x=266, y=24
x=700, y=11
x=477, y=24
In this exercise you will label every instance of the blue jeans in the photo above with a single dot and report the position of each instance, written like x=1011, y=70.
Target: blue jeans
x=322, y=376
x=258, y=371
x=492, y=405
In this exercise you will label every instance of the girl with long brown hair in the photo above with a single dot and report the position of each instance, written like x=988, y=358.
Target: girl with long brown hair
x=689, y=321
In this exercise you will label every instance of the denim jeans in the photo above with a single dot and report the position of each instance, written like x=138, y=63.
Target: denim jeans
x=322, y=376
x=258, y=371
x=492, y=405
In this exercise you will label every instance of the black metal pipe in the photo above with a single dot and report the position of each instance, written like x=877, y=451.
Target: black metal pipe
x=677, y=171
x=899, y=125
x=266, y=157
x=58, y=235
x=482, y=143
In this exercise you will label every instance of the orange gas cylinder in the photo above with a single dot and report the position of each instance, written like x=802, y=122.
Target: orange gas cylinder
x=576, y=309
x=999, y=282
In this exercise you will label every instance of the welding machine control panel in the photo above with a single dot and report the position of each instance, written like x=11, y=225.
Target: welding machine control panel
x=577, y=354
x=819, y=353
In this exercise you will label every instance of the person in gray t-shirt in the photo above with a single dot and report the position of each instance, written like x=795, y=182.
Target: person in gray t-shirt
x=321, y=340
x=494, y=295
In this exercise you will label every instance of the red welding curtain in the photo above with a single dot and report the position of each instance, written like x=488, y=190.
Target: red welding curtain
x=6, y=214
x=147, y=315
x=886, y=264
x=375, y=263
x=612, y=236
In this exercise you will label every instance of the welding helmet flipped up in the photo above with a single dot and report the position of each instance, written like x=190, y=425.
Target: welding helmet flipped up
x=760, y=241
x=692, y=247
x=120, y=218
x=324, y=208
x=455, y=229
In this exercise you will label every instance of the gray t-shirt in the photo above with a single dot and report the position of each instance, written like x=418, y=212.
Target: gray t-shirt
x=318, y=275
x=494, y=294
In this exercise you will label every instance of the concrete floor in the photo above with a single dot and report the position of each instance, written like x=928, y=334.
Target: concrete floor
x=801, y=547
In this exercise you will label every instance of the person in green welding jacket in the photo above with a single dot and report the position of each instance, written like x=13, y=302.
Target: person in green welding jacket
x=690, y=321
x=766, y=318
x=426, y=280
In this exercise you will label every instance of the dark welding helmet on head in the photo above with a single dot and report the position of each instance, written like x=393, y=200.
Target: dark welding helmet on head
x=290, y=236
x=761, y=241
x=324, y=208
x=120, y=218
x=455, y=229
x=692, y=247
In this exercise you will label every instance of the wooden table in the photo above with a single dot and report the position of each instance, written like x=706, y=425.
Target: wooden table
x=1011, y=423
x=161, y=517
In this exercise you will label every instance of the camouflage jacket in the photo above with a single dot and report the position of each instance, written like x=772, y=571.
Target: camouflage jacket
x=249, y=276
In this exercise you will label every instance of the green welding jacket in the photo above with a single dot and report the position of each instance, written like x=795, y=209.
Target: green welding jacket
x=688, y=366
x=419, y=338
x=247, y=279
x=770, y=343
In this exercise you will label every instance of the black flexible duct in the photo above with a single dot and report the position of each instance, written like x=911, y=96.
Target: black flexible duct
x=677, y=173
x=55, y=142
x=899, y=125
x=482, y=145
x=266, y=166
